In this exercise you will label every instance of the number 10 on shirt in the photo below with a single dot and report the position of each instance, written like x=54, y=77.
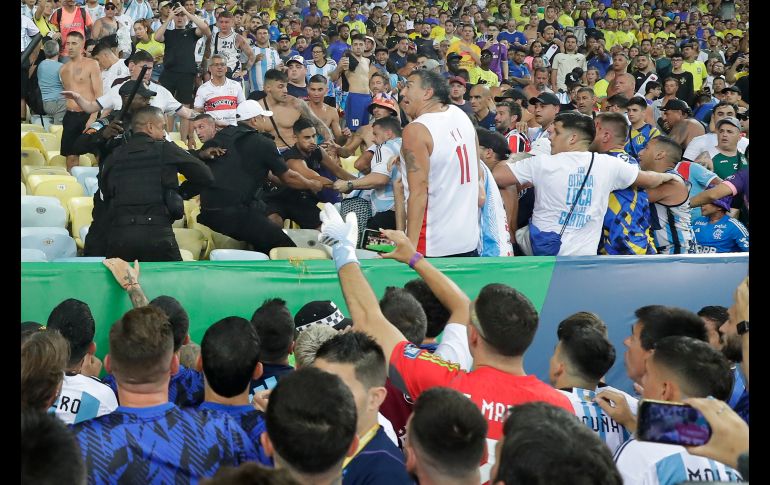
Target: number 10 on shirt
x=465, y=169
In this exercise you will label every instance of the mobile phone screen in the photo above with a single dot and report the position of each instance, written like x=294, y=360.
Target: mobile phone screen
x=672, y=423
x=375, y=241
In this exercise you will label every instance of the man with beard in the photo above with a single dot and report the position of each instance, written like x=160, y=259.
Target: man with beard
x=285, y=52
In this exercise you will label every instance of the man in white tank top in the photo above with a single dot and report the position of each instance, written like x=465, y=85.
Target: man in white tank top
x=232, y=45
x=439, y=169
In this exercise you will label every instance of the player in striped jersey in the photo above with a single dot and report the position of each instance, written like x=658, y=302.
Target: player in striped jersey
x=508, y=115
x=266, y=58
x=495, y=234
x=680, y=368
x=582, y=356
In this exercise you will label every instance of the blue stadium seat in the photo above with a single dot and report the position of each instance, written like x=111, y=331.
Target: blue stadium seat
x=32, y=256
x=55, y=242
x=42, y=211
x=237, y=255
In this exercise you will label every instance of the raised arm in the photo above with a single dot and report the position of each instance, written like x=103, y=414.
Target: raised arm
x=128, y=279
x=710, y=195
x=160, y=34
x=362, y=303
x=415, y=150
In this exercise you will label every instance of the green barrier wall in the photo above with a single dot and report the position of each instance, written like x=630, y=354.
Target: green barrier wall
x=210, y=290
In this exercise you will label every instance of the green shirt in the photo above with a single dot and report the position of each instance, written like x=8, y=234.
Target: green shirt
x=725, y=166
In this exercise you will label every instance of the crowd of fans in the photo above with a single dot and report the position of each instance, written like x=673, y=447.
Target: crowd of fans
x=477, y=129
x=663, y=87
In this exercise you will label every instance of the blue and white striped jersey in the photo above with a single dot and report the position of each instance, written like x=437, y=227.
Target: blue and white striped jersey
x=592, y=415
x=495, y=237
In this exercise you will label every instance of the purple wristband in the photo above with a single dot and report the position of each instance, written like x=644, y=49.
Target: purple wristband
x=417, y=257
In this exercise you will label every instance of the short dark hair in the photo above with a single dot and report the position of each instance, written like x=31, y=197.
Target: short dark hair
x=318, y=79
x=714, y=313
x=301, y=124
x=588, y=319
x=660, y=321
x=702, y=370
x=204, y=116
x=74, y=321
x=724, y=103
x=141, y=56
x=276, y=75
x=671, y=146
x=586, y=89
x=311, y=420
x=177, y=317
x=29, y=329
x=389, y=123
x=494, y=140
x=436, y=82
x=141, y=346
x=360, y=37
x=405, y=313
x=546, y=444
x=143, y=115
x=617, y=123
x=359, y=350
x=449, y=432
x=637, y=101
x=275, y=327
x=618, y=100
x=436, y=313
x=75, y=33
x=49, y=451
x=230, y=352
x=590, y=353
x=650, y=86
x=513, y=108
x=99, y=48
x=507, y=318
x=579, y=123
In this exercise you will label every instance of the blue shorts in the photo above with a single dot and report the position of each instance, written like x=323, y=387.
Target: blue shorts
x=356, y=110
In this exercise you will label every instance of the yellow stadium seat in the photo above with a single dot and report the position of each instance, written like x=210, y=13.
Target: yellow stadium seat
x=32, y=127
x=87, y=161
x=181, y=144
x=192, y=240
x=57, y=161
x=63, y=189
x=297, y=254
x=49, y=144
x=80, y=209
x=23, y=189
x=175, y=136
x=56, y=129
x=192, y=208
x=51, y=141
x=348, y=164
x=186, y=255
x=34, y=179
x=32, y=156
x=28, y=170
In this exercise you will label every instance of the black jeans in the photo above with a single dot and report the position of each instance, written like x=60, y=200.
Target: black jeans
x=145, y=243
x=246, y=224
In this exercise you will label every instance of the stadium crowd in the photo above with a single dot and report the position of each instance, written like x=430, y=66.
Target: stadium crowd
x=449, y=128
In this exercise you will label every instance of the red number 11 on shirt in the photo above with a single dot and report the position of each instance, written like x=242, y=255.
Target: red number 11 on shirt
x=465, y=169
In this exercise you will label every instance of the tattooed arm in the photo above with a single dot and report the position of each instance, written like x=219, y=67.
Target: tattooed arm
x=416, y=148
x=320, y=126
x=128, y=278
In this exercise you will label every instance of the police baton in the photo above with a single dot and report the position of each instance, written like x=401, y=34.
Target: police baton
x=33, y=43
x=132, y=94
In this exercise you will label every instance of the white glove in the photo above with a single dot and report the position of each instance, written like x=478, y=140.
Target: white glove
x=340, y=235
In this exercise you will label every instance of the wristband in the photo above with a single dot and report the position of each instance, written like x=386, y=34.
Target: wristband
x=417, y=257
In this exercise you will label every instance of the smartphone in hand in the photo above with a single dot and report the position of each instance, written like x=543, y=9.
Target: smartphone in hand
x=672, y=423
x=375, y=241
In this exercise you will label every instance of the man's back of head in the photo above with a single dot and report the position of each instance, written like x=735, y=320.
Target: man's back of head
x=582, y=357
x=545, y=445
x=505, y=319
x=275, y=327
x=309, y=341
x=141, y=348
x=177, y=316
x=49, y=452
x=405, y=313
x=230, y=354
x=311, y=422
x=447, y=436
x=660, y=321
x=697, y=370
x=74, y=321
x=436, y=313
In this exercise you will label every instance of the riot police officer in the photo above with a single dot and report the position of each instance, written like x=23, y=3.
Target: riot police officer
x=240, y=158
x=101, y=138
x=140, y=186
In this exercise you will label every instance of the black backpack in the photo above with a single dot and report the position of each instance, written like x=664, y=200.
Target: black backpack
x=34, y=96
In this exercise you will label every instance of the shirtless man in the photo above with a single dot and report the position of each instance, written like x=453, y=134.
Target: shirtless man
x=677, y=118
x=317, y=88
x=356, y=75
x=286, y=111
x=83, y=76
x=106, y=25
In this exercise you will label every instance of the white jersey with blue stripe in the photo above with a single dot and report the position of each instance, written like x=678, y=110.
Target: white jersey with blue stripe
x=647, y=463
x=83, y=398
x=495, y=235
x=325, y=71
x=270, y=60
x=385, y=162
x=592, y=415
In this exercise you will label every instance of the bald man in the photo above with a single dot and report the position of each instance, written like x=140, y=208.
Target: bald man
x=480, y=102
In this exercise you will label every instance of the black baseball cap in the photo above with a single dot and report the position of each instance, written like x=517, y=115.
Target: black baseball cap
x=734, y=89
x=545, y=98
x=453, y=56
x=283, y=37
x=126, y=87
x=320, y=312
x=676, y=105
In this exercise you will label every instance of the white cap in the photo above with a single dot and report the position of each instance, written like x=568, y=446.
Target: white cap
x=249, y=109
x=299, y=59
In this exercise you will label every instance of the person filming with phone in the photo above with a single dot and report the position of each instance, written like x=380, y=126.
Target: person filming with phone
x=678, y=369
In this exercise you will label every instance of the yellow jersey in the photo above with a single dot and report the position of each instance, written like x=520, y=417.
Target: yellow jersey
x=698, y=71
x=600, y=88
x=616, y=14
x=477, y=73
x=566, y=21
x=467, y=61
